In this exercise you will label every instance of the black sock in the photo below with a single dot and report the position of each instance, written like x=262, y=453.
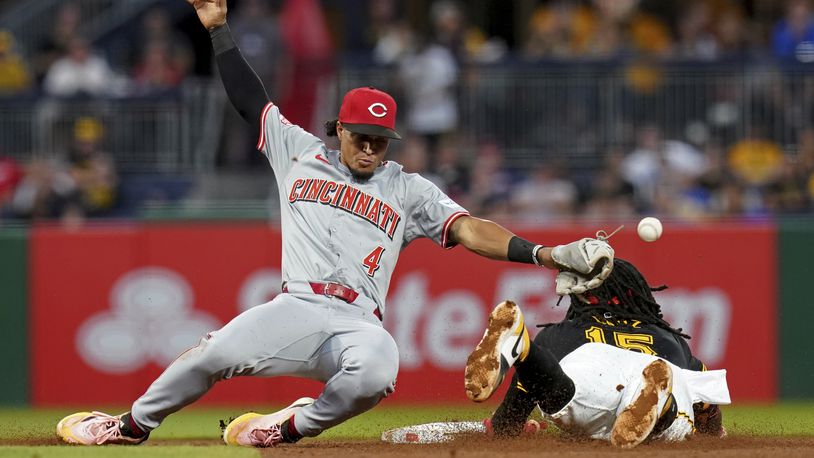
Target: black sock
x=541, y=375
x=129, y=428
x=289, y=432
x=512, y=413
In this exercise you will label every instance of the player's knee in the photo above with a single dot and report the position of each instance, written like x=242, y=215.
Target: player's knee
x=375, y=371
x=212, y=357
x=377, y=381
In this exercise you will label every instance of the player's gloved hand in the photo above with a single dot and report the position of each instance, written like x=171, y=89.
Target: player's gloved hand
x=570, y=283
x=708, y=419
x=590, y=258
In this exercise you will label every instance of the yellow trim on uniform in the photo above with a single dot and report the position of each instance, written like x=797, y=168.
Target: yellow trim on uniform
x=667, y=404
x=526, y=343
x=686, y=417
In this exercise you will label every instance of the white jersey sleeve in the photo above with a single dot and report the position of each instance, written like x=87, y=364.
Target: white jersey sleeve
x=282, y=142
x=431, y=212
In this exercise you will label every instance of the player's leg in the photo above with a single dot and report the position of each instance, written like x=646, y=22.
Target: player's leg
x=538, y=380
x=543, y=378
x=652, y=399
x=513, y=411
x=241, y=347
x=620, y=395
x=505, y=341
x=359, y=364
x=599, y=382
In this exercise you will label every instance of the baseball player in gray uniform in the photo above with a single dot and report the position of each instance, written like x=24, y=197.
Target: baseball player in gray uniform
x=346, y=216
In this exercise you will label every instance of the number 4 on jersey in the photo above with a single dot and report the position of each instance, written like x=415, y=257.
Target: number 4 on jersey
x=372, y=260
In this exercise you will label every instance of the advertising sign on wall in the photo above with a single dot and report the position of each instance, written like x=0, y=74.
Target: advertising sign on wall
x=114, y=305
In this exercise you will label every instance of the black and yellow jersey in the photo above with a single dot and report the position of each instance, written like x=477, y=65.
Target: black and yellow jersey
x=566, y=336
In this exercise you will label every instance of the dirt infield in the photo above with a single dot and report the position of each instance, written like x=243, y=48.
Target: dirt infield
x=739, y=447
x=545, y=445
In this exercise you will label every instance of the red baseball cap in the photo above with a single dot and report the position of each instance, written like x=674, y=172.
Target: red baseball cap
x=369, y=111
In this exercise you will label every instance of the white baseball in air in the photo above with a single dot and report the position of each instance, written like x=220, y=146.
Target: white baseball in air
x=649, y=229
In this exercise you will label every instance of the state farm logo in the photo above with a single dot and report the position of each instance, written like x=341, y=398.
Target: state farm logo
x=151, y=319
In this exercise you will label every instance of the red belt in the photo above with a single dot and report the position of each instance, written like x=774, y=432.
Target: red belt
x=336, y=290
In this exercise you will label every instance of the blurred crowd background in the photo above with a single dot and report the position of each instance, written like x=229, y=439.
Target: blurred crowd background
x=530, y=111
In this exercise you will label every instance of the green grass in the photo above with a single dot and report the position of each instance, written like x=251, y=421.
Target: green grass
x=163, y=451
x=790, y=419
x=784, y=419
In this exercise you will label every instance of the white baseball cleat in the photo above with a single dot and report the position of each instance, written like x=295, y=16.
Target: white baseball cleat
x=636, y=422
x=258, y=430
x=94, y=428
x=505, y=341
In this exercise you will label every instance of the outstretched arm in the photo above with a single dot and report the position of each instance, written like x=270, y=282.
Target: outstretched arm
x=583, y=264
x=243, y=86
x=491, y=240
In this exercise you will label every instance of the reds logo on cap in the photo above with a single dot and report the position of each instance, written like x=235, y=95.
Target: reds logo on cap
x=369, y=111
x=378, y=110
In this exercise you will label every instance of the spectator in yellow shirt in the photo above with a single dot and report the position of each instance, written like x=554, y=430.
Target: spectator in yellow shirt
x=14, y=75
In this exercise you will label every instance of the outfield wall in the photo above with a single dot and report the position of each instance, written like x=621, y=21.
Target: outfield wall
x=796, y=284
x=115, y=304
x=14, y=307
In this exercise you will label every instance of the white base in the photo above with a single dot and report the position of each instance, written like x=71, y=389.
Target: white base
x=432, y=433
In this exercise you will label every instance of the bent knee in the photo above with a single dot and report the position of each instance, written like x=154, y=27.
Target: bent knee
x=377, y=381
x=375, y=373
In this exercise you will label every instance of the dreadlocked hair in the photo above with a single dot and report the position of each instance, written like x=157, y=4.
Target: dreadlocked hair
x=624, y=295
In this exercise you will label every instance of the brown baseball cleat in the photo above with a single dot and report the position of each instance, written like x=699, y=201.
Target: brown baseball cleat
x=505, y=341
x=636, y=422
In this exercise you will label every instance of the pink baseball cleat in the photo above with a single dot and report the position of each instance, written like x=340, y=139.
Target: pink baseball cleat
x=94, y=428
x=257, y=430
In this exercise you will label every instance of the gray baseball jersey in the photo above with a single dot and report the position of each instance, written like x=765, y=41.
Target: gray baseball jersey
x=336, y=228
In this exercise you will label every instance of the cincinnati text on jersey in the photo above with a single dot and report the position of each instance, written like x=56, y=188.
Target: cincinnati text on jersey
x=348, y=198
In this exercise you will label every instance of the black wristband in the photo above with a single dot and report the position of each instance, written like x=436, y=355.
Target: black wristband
x=222, y=40
x=521, y=250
